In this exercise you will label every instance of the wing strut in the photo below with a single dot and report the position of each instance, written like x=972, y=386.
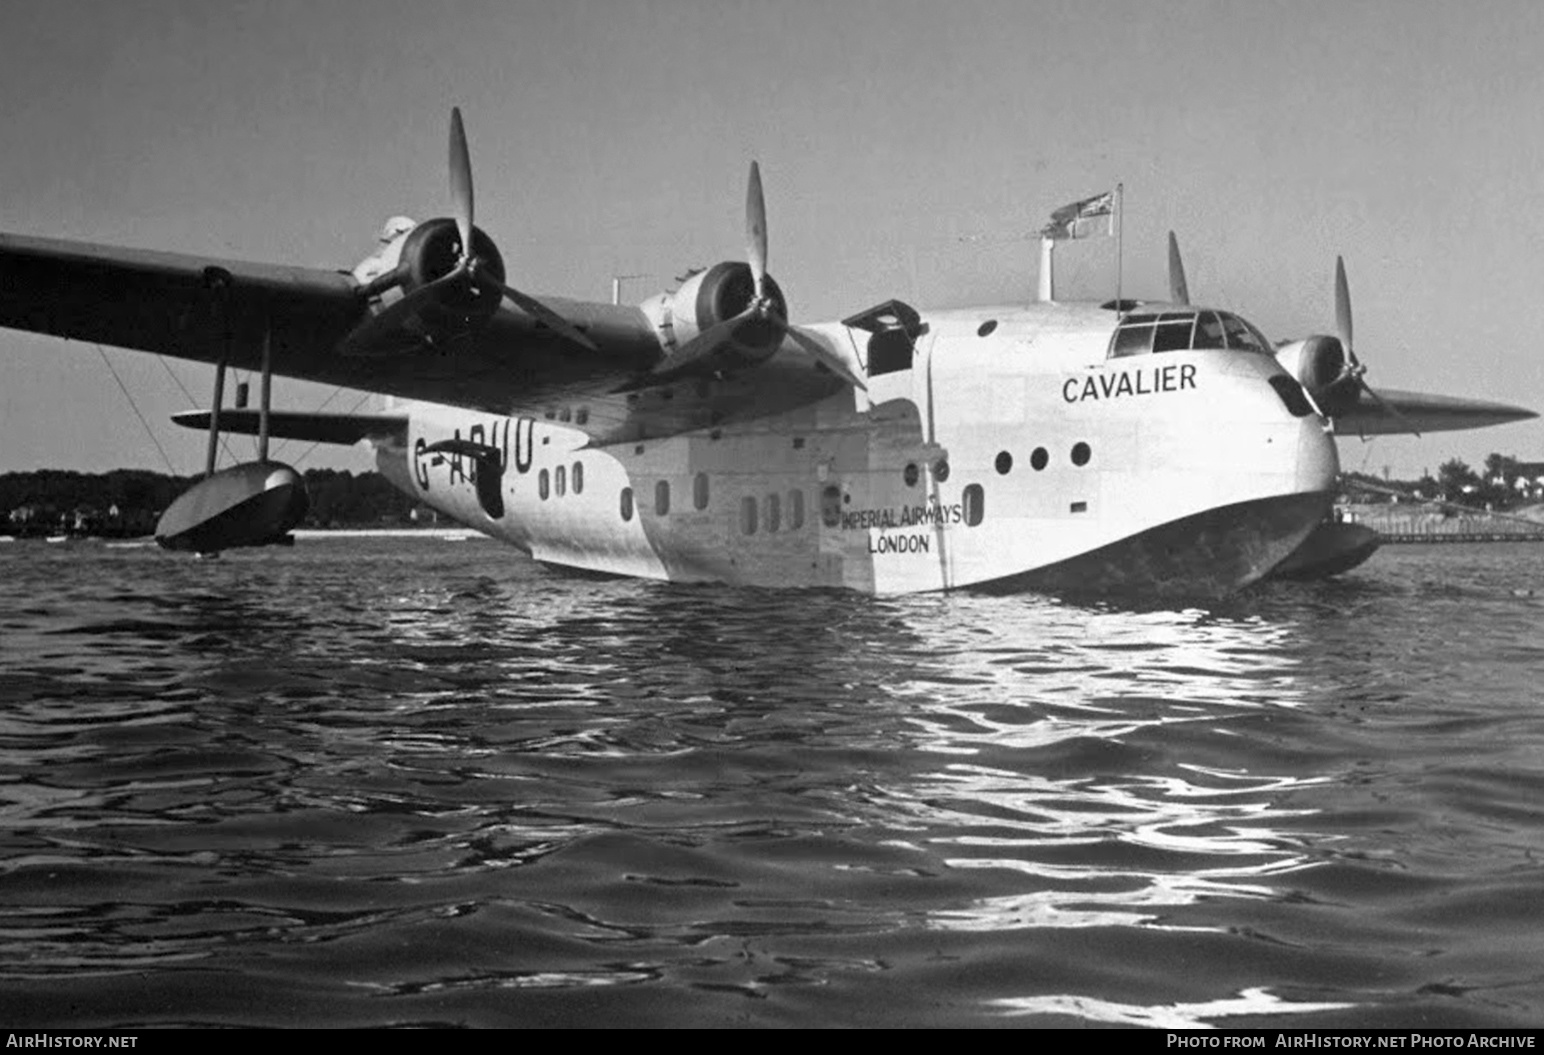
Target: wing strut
x=252, y=504
x=218, y=281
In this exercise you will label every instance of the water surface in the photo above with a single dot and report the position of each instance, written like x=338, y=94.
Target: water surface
x=407, y=782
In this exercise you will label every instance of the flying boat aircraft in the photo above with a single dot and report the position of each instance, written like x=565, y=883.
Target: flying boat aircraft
x=1126, y=447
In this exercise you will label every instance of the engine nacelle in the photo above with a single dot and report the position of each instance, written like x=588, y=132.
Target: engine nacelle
x=716, y=295
x=1319, y=363
x=413, y=256
x=432, y=251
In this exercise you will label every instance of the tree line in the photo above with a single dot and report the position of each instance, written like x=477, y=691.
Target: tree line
x=128, y=502
x=1502, y=483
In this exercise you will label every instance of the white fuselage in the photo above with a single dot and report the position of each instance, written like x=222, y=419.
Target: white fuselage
x=1021, y=458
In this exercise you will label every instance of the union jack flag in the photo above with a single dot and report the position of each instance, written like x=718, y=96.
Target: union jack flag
x=1082, y=219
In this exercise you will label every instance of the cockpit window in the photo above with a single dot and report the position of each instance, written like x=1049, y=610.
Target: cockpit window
x=1242, y=336
x=1134, y=336
x=1208, y=331
x=1174, y=331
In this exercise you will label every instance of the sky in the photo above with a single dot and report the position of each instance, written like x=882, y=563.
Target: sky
x=906, y=147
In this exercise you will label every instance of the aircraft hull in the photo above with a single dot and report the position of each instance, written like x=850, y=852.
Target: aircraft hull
x=1208, y=554
x=1330, y=549
x=1187, y=476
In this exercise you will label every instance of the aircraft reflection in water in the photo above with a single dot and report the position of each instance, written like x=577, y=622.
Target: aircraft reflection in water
x=1109, y=850
x=698, y=436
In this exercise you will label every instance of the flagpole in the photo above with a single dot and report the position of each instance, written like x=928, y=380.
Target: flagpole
x=1120, y=224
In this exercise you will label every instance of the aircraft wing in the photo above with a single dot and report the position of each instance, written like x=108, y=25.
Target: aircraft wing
x=293, y=425
x=1419, y=412
x=203, y=309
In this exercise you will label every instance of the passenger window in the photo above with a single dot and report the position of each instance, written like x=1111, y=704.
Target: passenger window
x=975, y=505
x=774, y=511
x=627, y=503
x=831, y=506
x=748, y=515
x=700, y=491
x=662, y=497
x=543, y=484
x=795, y=510
x=578, y=478
x=560, y=480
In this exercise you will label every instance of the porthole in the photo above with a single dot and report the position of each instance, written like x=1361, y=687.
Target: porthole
x=581, y=417
x=543, y=484
x=975, y=505
x=560, y=480
x=627, y=503
x=748, y=515
x=662, y=497
x=774, y=512
x=578, y=478
x=941, y=470
x=1039, y=459
x=1081, y=453
x=911, y=474
x=831, y=506
x=700, y=491
x=795, y=510
x=1004, y=463
x=986, y=328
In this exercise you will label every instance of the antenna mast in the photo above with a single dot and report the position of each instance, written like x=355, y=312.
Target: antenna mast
x=1120, y=222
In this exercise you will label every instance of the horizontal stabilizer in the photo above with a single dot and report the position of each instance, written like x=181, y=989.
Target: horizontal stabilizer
x=347, y=429
x=1419, y=412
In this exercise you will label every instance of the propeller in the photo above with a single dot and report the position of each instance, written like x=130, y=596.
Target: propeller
x=379, y=330
x=756, y=231
x=762, y=308
x=461, y=183
x=461, y=202
x=1353, y=368
x=1179, y=291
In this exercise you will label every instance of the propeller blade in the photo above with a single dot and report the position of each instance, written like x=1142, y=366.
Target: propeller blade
x=702, y=346
x=1388, y=408
x=380, y=331
x=531, y=306
x=1343, y=309
x=1179, y=292
x=691, y=354
x=830, y=359
x=461, y=181
x=756, y=230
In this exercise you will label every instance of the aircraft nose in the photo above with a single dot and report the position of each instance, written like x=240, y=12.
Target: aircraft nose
x=1318, y=460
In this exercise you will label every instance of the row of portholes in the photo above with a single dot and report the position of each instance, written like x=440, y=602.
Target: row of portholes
x=662, y=497
x=767, y=516
x=771, y=513
x=1039, y=458
x=558, y=481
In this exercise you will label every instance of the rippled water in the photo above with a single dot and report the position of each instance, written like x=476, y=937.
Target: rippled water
x=413, y=782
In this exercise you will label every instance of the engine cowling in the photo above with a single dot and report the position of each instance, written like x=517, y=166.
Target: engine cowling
x=1320, y=365
x=412, y=258
x=708, y=298
x=431, y=251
